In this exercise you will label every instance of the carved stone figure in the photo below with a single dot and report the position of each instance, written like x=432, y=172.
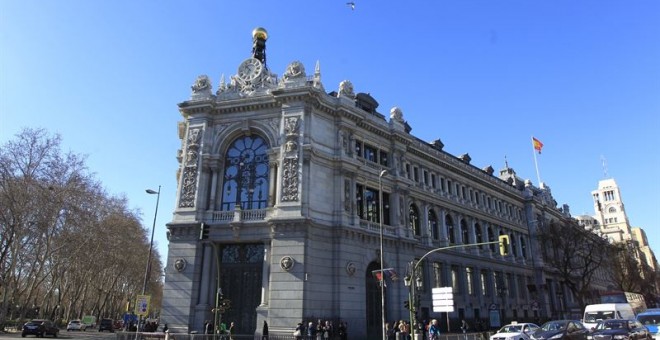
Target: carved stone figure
x=294, y=70
x=396, y=114
x=346, y=89
x=202, y=84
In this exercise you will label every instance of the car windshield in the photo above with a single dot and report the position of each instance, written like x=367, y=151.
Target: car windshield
x=597, y=316
x=510, y=329
x=554, y=326
x=611, y=325
x=649, y=319
x=75, y=321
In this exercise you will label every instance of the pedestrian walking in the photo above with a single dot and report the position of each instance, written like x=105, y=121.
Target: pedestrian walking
x=464, y=328
x=434, y=330
x=299, y=331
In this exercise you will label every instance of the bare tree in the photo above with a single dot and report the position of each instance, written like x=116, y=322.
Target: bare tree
x=575, y=255
x=67, y=247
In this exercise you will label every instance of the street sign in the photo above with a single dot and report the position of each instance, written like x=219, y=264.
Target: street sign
x=443, y=299
x=142, y=305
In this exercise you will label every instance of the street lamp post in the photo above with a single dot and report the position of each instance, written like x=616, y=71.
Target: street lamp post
x=151, y=242
x=382, y=273
x=151, y=245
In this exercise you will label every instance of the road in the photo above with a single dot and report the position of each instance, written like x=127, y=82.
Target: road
x=89, y=334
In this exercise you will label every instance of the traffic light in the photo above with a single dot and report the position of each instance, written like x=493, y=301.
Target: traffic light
x=504, y=245
x=406, y=304
x=203, y=231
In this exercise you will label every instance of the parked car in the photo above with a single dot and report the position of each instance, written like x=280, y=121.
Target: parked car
x=40, y=327
x=515, y=331
x=76, y=325
x=620, y=329
x=106, y=325
x=561, y=329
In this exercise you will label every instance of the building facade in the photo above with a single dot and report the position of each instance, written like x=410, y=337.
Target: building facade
x=292, y=198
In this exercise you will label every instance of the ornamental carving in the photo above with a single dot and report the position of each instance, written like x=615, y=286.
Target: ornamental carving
x=190, y=167
x=351, y=268
x=290, y=180
x=287, y=263
x=180, y=264
x=291, y=126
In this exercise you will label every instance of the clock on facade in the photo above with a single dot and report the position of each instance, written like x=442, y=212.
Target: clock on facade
x=250, y=69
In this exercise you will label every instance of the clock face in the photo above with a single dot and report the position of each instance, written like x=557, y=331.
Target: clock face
x=250, y=69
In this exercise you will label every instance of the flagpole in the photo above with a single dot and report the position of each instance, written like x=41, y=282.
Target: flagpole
x=536, y=164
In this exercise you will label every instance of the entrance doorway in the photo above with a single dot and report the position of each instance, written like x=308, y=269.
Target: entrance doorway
x=240, y=280
x=373, y=303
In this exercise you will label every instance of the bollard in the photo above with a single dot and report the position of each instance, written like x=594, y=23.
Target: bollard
x=167, y=335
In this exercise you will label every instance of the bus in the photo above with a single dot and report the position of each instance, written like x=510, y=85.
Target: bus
x=635, y=300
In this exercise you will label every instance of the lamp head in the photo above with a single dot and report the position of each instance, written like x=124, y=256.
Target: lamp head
x=383, y=173
x=151, y=192
x=406, y=280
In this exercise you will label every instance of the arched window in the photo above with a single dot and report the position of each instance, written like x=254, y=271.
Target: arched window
x=464, y=233
x=450, y=229
x=523, y=247
x=413, y=219
x=433, y=225
x=246, y=174
x=611, y=210
x=491, y=238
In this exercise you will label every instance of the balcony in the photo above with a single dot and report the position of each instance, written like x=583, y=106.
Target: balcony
x=237, y=215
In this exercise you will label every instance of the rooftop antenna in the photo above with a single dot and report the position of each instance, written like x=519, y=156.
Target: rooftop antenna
x=604, y=163
x=506, y=163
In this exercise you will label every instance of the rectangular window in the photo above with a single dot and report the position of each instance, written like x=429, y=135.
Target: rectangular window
x=522, y=289
x=408, y=174
x=443, y=185
x=416, y=174
x=433, y=179
x=469, y=280
x=426, y=177
x=358, y=148
x=383, y=159
x=370, y=153
x=483, y=276
x=437, y=274
x=359, y=198
x=456, y=286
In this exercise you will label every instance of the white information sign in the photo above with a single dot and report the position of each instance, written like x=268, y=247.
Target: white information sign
x=443, y=299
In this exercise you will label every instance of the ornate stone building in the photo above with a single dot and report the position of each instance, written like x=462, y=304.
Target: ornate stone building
x=279, y=217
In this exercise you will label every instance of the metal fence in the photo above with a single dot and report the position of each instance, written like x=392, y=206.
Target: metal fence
x=183, y=336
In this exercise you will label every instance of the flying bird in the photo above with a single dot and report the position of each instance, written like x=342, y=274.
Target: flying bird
x=351, y=4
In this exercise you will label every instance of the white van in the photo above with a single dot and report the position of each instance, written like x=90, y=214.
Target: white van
x=603, y=311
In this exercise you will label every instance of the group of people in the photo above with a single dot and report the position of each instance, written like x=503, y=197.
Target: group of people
x=223, y=329
x=321, y=330
x=430, y=330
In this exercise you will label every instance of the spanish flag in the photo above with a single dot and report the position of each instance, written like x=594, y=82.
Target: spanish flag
x=537, y=144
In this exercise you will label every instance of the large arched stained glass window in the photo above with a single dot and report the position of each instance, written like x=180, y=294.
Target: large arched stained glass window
x=246, y=174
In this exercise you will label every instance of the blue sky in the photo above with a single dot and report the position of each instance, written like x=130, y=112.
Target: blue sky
x=481, y=75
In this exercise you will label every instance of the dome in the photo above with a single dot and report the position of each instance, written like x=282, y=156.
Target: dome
x=260, y=33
